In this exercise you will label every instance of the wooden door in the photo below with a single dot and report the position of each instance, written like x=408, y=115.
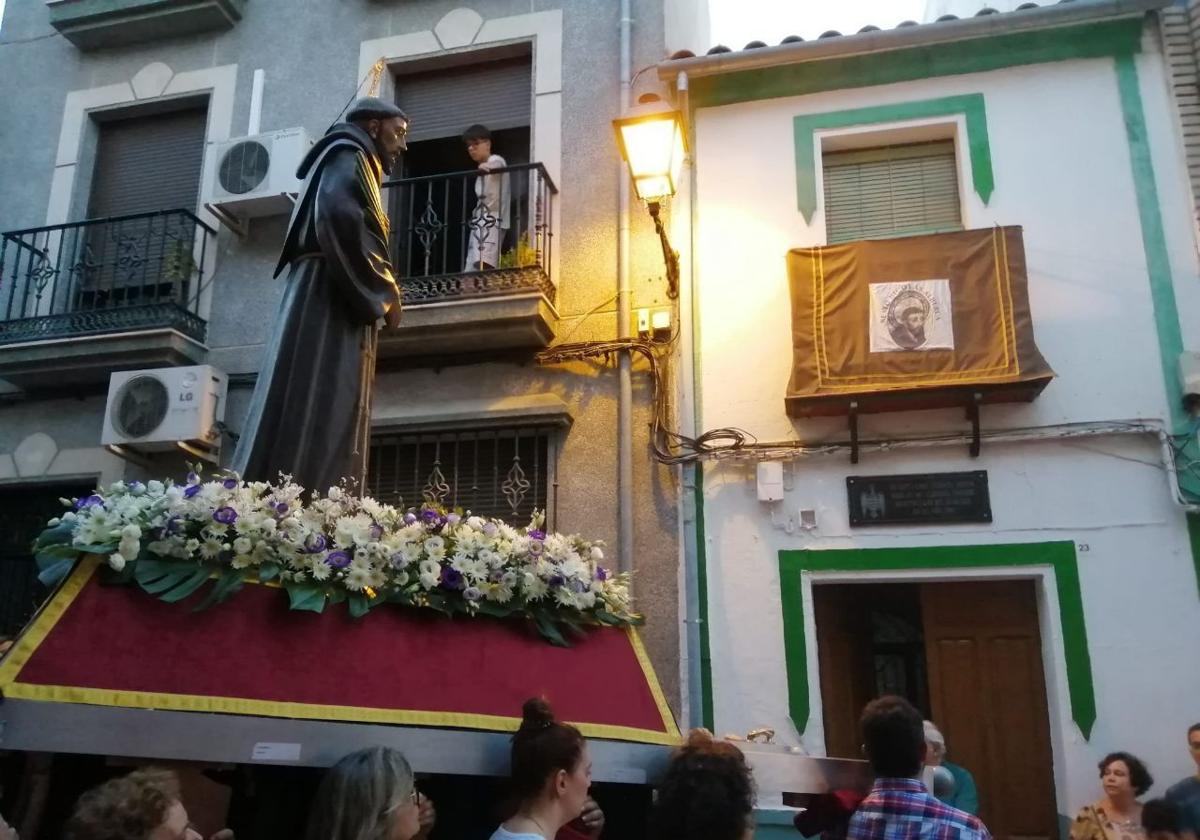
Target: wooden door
x=988, y=696
x=844, y=659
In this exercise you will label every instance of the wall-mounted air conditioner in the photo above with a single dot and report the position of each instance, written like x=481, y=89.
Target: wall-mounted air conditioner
x=165, y=409
x=256, y=176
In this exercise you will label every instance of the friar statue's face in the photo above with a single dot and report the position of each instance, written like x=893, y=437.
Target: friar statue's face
x=389, y=135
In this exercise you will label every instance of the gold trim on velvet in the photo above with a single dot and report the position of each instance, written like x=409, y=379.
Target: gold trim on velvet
x=25, y=646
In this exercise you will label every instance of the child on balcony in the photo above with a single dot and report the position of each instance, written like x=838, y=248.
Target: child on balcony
x=489, y=219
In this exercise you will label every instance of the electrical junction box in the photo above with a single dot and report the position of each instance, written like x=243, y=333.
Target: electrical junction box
x=770, y=481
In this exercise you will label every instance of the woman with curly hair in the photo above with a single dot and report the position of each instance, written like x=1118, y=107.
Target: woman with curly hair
x=143, y=805
x=707, y=793
x=551, y=775
x=1117, y=815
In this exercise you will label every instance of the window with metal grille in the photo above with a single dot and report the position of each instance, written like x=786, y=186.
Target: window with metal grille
x=506, y=473
x=891, y=191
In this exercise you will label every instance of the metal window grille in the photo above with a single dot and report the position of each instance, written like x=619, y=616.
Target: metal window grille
x=891, y=191
x=506, y=473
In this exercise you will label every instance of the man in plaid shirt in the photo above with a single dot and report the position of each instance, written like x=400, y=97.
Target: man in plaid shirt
x=898, y=806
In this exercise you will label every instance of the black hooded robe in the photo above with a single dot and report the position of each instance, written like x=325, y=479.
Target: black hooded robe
x=310, y=414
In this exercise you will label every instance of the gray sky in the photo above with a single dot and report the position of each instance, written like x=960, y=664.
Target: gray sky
x=737, y=22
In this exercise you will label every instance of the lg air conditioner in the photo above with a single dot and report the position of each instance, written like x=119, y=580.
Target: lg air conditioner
x=165, y=409
x=255, y=176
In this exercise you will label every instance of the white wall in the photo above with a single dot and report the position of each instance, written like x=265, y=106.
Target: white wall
x=1062, y=170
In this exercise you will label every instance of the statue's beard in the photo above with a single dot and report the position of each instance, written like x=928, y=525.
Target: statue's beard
x=387, y=161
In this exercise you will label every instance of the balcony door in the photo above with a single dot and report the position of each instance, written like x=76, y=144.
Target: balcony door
x=145, y=165
x=432, y=209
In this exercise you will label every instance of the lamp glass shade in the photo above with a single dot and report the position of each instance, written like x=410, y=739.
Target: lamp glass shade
x=653, y=147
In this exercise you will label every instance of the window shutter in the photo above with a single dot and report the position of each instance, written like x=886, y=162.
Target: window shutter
x=148, y=163
x=498, y=94
x=891, y=191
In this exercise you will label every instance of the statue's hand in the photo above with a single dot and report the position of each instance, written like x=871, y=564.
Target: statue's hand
x=391, y=318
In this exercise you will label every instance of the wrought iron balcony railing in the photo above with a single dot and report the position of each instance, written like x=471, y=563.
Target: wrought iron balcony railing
x=468, y=235
x=135, y=272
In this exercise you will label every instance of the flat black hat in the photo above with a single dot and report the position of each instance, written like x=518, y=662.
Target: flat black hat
x=372, y=107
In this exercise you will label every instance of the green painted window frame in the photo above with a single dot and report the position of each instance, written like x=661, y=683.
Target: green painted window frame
x=969, y=106
x=1058, y=556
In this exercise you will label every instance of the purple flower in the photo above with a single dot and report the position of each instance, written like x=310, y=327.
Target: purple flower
x=535, y=546
x=397, y=560
x=576, y=585
x=88, y=502
x=601, y=573
x=316, y=543
x=430, y=515
x=536, y=534
x=410, y=517
x=192, y=478
x=451, y=578
x=173, y=525
x=453, y=518
x=376, y=530
x=496, y=576
x=472, y=593
x=225, y=515
x=230, y=484
x=490, y=529
x=281, y=508
x=338, y=559
x=192, y=490
x=557, y=581
x=135, y=485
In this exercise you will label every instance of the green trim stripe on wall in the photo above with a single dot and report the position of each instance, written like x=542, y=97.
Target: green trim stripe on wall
x=706, y=693
x=1059, y=556
x=971, y=106
x=954, y=58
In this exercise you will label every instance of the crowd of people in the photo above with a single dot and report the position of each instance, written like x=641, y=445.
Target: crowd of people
x=707, y=793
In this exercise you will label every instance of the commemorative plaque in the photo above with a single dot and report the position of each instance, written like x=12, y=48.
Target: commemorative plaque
x=919, y=499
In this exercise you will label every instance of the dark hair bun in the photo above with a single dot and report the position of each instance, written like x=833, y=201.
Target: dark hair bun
x=536, y=714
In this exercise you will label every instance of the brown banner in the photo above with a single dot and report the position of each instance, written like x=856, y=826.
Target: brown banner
x=914, y=322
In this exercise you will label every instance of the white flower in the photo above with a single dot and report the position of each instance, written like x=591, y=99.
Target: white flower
x=353, y=529
x=597, y=555
x=240, y=561
x=55, y=522
x=535, y=588
x=585, y=600
x=430, y=572
x=498, y=593
x=319, y=569
x=335, y=494
x=358, y=578
x=156, y=488
x=475, y=523
x=116, y=561
x=210, y=548
x=242, y=545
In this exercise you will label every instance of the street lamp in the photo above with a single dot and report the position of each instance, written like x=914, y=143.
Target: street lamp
x=651, y=139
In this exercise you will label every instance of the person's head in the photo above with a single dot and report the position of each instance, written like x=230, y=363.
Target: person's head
x=1160, y=819
x=1194, y=743
x=550, y=761
x=893, y=737
x=368, y=795
x=913, y=318
x=143, y=805
x=479, y=143
x=1123, y=776
x=935, y=743
x=706, y=794
x=385, y=124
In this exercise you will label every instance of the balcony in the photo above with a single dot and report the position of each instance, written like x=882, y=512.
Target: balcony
x=90, y=24
x=80, y=300
x=473, y=282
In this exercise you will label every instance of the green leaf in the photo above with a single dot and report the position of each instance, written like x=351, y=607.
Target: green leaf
x=268, y=571
x=98, y=548
x=494, y=609
x=50, y=575
x=186, y=587
x=61, y=533
x=576, y=629
x=359, y=605
x=549, y=631
x=229, y=583
x=51, y=555
x=605, y=617
x=301, y=597
x=337, y=596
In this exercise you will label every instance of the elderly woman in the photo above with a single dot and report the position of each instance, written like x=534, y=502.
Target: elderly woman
x=369, y=795
x=962, y=794
x=707, y=793
x=1117, y=815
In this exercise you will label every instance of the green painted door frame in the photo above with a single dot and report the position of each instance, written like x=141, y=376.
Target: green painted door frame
x=1006, y=560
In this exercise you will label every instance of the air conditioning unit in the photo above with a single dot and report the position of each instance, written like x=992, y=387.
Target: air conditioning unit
x=165, y=409
x=256, y=176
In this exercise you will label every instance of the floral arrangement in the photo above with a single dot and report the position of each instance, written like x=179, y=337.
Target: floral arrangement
x=173, y=540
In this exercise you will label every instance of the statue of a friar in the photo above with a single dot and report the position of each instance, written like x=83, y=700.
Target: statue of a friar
x=311, y=410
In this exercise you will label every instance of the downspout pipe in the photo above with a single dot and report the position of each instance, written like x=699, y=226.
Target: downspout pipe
x=624, y=307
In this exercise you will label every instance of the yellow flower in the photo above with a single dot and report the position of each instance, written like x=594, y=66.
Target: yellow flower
x=370, y=592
